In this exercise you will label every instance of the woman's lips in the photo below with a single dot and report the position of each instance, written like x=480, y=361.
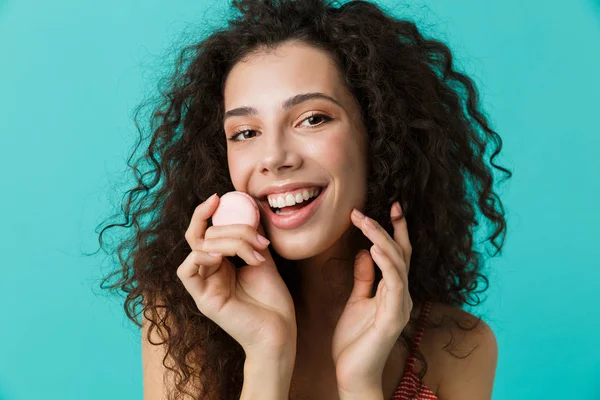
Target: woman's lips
x=297, y=218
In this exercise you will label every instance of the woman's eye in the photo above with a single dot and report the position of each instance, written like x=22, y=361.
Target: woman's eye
x=317, y=116
x=238, y=133
x=311, y=118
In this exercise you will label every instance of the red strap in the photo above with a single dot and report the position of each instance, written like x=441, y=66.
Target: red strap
x=420, y=330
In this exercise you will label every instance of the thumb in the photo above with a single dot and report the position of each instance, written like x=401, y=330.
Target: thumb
x=364, y=276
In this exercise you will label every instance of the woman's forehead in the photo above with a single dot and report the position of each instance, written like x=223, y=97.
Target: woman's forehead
x=277, y=75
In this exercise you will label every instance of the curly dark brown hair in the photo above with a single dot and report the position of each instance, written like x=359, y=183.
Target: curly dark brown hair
x=427, y=142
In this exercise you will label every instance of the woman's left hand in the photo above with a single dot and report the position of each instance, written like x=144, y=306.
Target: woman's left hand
x=369, y=327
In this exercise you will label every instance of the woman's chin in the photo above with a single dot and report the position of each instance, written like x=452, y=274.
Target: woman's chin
x=294, y=252
x=300, y=247
x=307, y=245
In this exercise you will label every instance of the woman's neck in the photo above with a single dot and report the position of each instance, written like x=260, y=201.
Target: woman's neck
x=325, y=284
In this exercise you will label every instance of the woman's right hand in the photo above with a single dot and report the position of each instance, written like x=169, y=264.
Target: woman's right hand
x=253, y=304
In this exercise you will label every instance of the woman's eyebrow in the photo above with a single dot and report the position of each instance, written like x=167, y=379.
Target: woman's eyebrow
x=286, y=104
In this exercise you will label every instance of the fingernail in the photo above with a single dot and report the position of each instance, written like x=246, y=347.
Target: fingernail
x=358, y=213
x=377, y=249
x=397, y=207
x=215, y=254
x=211, y=198
x=263, y=239
x=259, y=256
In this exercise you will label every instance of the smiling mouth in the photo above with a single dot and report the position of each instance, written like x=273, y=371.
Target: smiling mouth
x=291, y=209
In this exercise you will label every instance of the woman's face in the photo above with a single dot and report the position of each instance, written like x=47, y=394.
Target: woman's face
x=279, y=143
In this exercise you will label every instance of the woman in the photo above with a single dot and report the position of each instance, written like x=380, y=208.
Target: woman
x=360, y=119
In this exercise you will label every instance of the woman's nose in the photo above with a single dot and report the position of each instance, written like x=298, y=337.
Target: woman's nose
x=277, y=153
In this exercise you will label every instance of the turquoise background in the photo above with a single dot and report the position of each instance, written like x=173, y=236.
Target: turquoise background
x=71, y=74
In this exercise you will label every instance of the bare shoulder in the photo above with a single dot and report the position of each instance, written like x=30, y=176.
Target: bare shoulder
x=463, y=351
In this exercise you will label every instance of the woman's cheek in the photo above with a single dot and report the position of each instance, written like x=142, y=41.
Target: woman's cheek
x=240, y=169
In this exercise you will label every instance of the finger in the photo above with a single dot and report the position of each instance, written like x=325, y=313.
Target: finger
x=390, y=288
x=261, y=230
x=364, y=276
x=196, y=269
x=237, y=231
x=389, y=271
x=197, y=228
x=232, y=247
x=265, y=253
x=401, y=231
x=378, y=235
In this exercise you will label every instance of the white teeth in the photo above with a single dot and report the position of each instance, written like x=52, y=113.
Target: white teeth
x=290, y=199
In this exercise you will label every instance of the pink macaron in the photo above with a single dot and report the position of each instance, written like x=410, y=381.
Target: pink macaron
x=236, y=208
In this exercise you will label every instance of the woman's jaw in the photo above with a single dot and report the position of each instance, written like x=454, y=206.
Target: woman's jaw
x=309, y=231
